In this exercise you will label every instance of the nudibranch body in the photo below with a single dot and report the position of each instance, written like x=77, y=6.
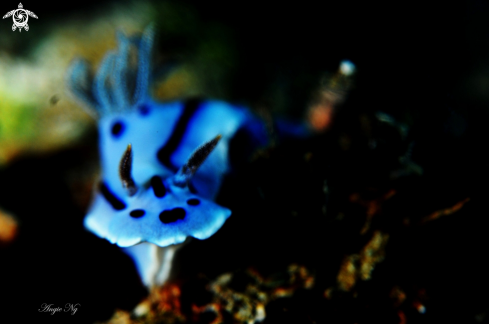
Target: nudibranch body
x=162, y=139
x=162, y=163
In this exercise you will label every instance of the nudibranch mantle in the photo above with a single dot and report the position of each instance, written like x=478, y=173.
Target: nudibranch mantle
x=162, y=163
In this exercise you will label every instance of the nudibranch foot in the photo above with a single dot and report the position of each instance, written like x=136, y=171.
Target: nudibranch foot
x=153, y=262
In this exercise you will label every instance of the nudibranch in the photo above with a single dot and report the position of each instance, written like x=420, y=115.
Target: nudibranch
x=162, y=163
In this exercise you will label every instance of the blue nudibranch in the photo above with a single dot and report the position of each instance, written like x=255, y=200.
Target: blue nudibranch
x=162, y=163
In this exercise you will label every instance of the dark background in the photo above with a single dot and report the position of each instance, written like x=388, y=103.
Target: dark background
x=425, y=64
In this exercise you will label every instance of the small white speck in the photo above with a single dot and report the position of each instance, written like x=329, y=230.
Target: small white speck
x=260, y=313
x=347, y=67
x=141, y=309
x=421, y=309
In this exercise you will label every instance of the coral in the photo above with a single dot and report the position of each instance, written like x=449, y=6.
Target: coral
x=8, y=228
x=241, y=297
x=444, y=212
x=360, y=266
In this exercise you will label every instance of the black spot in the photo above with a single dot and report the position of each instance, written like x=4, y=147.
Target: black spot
x=173, y=142
x=111, y=198
x=192, y=188
x=54, y=100
x=143, y=109
x=158, y=186
x=136, y=213
x=170, y=216
x=193, y=202
x=117, y=129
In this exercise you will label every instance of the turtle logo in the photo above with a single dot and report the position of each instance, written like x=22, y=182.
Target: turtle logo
x=20, y=17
